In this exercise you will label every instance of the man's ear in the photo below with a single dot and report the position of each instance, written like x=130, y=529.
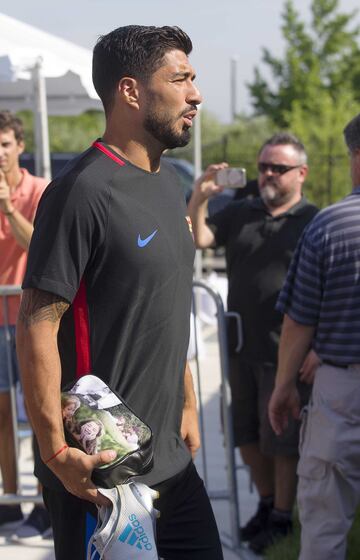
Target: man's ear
x=304, y=170
x=20, y=147
x=128, y=89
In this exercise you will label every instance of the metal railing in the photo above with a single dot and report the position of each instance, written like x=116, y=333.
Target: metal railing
x=230, y=494
x=19, y=497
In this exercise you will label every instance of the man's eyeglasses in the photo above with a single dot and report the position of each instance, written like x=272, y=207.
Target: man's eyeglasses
x=275, y=168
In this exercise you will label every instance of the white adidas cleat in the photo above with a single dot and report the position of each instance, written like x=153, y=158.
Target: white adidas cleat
x=126, y=530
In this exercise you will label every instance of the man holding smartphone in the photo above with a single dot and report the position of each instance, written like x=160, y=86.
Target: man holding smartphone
x=260, y=236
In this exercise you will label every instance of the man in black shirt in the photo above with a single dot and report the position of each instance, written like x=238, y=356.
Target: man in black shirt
x=108, y=290
x=260, y=236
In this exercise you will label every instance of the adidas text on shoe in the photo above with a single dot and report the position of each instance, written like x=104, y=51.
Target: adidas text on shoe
x=134, y=534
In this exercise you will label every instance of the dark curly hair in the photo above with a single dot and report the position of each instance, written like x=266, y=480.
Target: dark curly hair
x=9, y=121
x=136, y=51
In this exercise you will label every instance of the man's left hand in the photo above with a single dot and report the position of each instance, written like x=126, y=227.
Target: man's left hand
x=190, y=429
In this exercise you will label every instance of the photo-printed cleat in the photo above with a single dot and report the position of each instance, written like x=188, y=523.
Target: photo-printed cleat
x=126, y=529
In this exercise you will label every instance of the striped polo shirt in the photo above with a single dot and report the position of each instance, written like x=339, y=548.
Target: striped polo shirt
x=322, y=287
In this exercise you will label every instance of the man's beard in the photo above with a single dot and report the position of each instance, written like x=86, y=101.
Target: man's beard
x=271, y=196
x=268, y=195
x=161, y=127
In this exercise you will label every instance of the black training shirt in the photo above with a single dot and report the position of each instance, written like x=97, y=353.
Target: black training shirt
x=259, y=248
x=113, y=240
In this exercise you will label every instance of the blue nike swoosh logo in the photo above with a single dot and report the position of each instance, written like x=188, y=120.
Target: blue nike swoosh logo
x=144, y=242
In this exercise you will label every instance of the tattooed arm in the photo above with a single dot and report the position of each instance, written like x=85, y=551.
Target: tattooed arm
x=37, y=329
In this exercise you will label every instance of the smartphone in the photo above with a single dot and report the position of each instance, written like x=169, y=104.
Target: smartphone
x=231, y=177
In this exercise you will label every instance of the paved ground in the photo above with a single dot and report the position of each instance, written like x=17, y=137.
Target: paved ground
x=215, y=460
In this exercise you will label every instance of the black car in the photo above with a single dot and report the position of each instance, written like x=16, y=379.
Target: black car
x=183, y=168
x=58, y=160
x=186, y=172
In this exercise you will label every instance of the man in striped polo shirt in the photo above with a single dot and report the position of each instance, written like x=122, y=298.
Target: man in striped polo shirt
x=321, y=303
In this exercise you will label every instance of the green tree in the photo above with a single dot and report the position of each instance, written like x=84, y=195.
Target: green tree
x=237, y=143
x=76, y=133
x=320, y=56
x=315, y=91
x=28, y=122
x=66, y=133
x=322, y=133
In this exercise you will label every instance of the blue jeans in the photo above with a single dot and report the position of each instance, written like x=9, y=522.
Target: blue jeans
x=4, y=366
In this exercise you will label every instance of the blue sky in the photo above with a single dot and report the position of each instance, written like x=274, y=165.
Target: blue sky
x=219, y=30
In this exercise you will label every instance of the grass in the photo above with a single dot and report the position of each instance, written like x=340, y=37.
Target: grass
x=289, y=548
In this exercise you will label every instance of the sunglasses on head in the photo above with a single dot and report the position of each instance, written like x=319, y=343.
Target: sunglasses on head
x=275, y=168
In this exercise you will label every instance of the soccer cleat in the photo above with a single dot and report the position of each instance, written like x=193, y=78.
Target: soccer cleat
x=126, y=530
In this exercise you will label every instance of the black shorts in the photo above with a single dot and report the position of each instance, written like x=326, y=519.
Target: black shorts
x=251, y=389
x=186, y=528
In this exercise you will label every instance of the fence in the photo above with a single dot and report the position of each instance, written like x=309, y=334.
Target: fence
x=5, y=293
x=328, y=179
x=230, y=493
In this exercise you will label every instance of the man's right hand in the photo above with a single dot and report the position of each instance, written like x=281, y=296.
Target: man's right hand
x=309, y=367
x=205, y=186
x=5, y=194
x=284, y=400
x=74, y=468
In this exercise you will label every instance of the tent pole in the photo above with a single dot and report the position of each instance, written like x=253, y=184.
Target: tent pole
x=42, y=154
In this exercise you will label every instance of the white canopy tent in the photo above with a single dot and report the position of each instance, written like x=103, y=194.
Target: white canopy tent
x=46, y=74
